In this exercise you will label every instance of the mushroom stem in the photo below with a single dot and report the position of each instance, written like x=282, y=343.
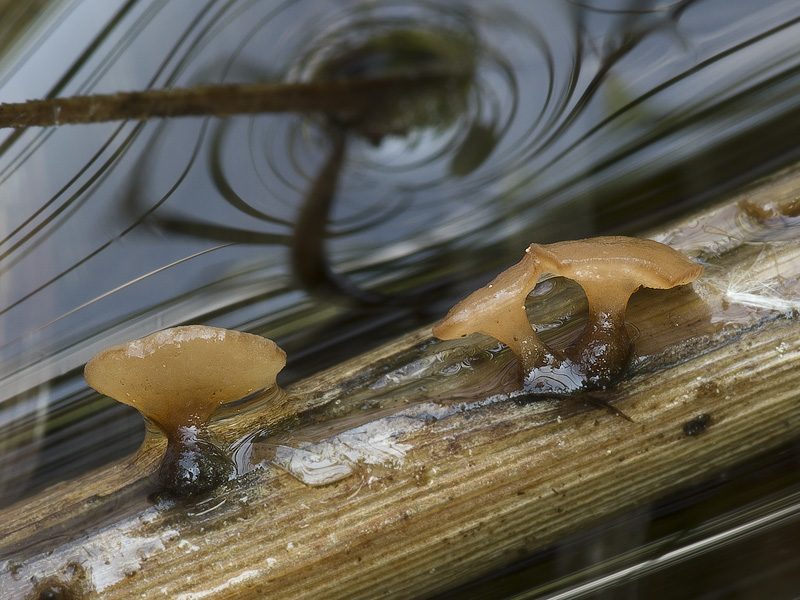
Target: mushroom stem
x=193, y=463
x=603, y=348
x=518, y=334
x=602, y=351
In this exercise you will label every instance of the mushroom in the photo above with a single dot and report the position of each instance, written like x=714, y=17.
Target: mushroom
x=177, y=378
x=498, y=310
x=609, y=269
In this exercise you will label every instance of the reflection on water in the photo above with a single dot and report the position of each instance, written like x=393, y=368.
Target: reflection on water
x=580, y=117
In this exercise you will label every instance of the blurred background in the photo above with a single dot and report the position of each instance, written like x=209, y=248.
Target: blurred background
x=331, y=231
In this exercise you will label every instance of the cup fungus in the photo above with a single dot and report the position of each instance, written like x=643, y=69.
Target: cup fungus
x=177, y=378
x=609, y=269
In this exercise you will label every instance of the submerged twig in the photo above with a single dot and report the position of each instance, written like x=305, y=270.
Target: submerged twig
x=345, y=95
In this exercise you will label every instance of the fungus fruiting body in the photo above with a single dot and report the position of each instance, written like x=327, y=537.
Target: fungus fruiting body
x=177, y=378
x=609, y=269
x=498, y=310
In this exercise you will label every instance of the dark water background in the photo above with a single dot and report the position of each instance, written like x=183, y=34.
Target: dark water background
x=581, y=118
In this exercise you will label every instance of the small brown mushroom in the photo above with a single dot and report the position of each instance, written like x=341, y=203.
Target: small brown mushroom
x=498, y=310
x=177, y=378
x=609, y=269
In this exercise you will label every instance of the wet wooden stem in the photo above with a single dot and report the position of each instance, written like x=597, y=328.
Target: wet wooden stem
x=476, y=489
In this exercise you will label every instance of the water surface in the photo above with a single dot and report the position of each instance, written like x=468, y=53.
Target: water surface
x=580, y=118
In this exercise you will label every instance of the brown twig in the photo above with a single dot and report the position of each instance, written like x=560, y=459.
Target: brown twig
x=347, y=95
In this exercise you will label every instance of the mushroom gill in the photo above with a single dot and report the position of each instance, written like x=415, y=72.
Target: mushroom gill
x=177, y=378
x=609, y=269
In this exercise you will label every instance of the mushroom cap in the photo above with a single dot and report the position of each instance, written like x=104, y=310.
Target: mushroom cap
x=180, y=376
x=620, y=261
x=495, y=309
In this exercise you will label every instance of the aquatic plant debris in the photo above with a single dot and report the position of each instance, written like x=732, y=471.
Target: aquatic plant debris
x=107, y=557
x=338, y=457
x=374, y=443
x=747, y=288
x=242, y=577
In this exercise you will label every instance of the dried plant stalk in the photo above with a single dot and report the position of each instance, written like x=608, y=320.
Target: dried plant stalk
x=472, y=489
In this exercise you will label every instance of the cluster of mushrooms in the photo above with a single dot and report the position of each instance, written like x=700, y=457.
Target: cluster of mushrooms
x=609, y=269
x=177, y=378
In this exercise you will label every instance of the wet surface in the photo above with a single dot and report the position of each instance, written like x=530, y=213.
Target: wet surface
x=569, y=127
x=579, y=118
